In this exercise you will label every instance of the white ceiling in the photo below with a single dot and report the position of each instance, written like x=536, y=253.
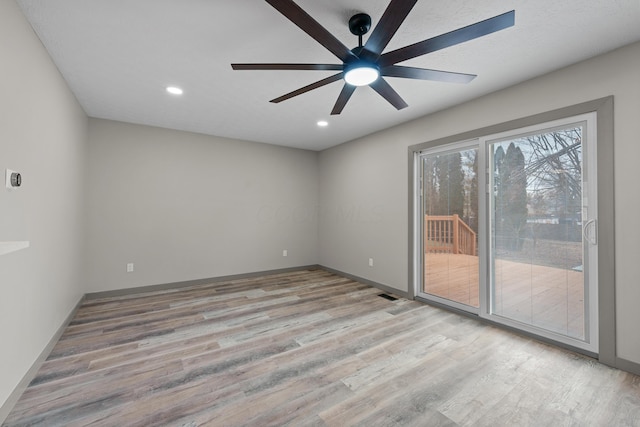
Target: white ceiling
x=119, y=55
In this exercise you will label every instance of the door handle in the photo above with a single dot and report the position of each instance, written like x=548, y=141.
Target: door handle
x=585, y=232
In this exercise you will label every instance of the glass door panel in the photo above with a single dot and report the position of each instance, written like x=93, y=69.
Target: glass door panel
x=450, y=226
x=536, y=233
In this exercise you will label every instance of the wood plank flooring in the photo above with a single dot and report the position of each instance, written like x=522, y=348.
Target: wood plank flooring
x=309, y=348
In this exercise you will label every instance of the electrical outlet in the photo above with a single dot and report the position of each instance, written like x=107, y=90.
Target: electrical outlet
x=130, y=267
x=285, y=252
x=370, y=262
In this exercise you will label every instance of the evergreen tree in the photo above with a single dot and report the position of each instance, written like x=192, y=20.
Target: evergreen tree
x=473, y=196
x=430, y=186
x=513, y=185
x=450, y=178
x=499, y=202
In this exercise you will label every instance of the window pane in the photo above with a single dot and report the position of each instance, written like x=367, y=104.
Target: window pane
x=450, y=195
x=536, y=230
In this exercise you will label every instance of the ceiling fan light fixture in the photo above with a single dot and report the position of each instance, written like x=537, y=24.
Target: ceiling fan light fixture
x=361, y=74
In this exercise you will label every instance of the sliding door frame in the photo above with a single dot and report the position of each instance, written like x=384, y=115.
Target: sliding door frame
x=605, y=188
x=419, y=292
x=588, y=124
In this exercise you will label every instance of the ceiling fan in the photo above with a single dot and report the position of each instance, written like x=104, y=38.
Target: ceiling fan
x=367, y=64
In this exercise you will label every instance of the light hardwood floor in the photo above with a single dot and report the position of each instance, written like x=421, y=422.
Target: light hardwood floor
x=309, y=348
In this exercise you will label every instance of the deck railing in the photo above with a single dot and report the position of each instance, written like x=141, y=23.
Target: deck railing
x=448, y=234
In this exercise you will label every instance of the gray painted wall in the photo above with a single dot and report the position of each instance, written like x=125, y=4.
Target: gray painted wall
x=184, y=206
x=370, y=174
x=43, y=133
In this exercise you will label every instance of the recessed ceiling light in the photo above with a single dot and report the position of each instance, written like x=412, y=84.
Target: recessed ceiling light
x=323, y=123
x=174, y=90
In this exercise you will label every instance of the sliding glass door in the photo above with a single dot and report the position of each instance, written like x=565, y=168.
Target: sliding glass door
x=516, y=242
x=543, y=231
x=449, y=222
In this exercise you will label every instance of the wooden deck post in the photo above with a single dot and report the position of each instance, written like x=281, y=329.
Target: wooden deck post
x=456, y=235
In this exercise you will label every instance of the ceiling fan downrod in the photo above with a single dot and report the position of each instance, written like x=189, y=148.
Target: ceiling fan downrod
x=359, y=25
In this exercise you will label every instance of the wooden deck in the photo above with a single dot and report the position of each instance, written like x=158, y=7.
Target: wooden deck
x=551, y=298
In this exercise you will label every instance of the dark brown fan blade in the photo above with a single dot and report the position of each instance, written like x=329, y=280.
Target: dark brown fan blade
x=386, y=91
x=391, y=19
x=307, y=88
x=452, y=38
x=426, y=74
x=310, y=26
x=330, y=67
x=345, y=95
